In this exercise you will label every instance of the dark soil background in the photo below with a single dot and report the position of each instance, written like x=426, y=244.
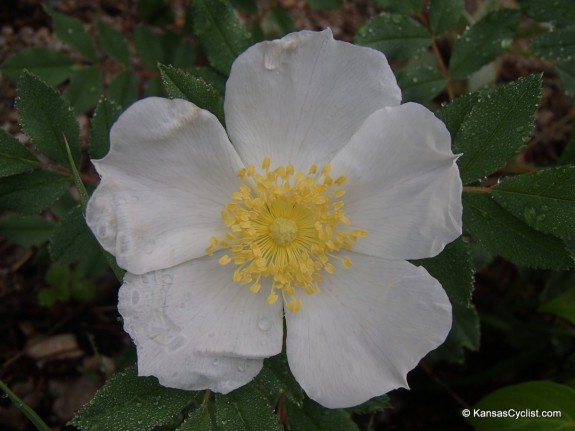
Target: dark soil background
x=55, y=358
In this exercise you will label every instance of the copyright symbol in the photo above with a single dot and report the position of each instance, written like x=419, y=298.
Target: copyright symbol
x=465, y=413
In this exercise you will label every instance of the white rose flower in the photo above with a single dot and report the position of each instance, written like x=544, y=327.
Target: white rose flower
x=305, y=208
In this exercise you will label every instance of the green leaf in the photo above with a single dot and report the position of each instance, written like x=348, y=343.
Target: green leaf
x=84, y=89
x=454, y=270
x=393, y=34
x=444, y=14
x=131, y=403
x=504, y=234
x=313, y=417
x=420, y=83
x=483, y=42
x=113, y=43
x=14, y=157
x=325, y=4
x=220, y=33
x=180, y=84
x=50, y=66
x=246, y=408
x=71, y=31
x=155, y=87
x=566, y=71
x=568, y=156
x=25, y=230
x=31, y=192
x=563, y=305
x=275, y=378
x=47, y=118
x=560, y=12
x=465, y=333
x=543, y=199
x=149, y=46
x=405, y=7
x=183, y=54
x=496, y=128
x=200, y=420
x=105, y=115
x=556, y=45
x=209, y=75
x=527, y=397
x=72, y=240
x=124, y=89
x=454, y=116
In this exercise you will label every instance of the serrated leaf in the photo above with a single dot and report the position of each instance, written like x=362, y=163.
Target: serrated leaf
x=84, y=89
x=465, y=333
x=483, y=42
x=554, y=11
x=405, y=7
x=504, y=234
x=209, y=75
x=199, y=420
x=105, y=115
x=47, y=119
x=527, y=397
x=313, y=417
x=220, y=33
x=149, y=46
x=131, y=403
x=113, y=43
x=393, y=34
x=543, y=199
x=563, y=305
x=566, y=71
x=71, y=31
x=496, y=128
x=275, y=378
x=444, y=14
x=123, y=89
x=183, y=85
x=420, y=83
x=325, y=4
x=50, y=66
x=454, y=270
x=556, y=45
x=72, y=240
x=454, y=115
x=246, y=408
x=25, y=230
x=14, y=157
x=30, y=193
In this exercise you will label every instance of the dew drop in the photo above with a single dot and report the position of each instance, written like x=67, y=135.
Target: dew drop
x=216, y=362
x=241, y=368
x=265, y=324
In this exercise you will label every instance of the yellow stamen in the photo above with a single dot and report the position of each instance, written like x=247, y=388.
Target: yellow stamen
x=284, y=226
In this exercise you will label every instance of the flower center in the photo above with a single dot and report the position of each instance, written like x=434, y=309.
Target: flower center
x=285, y=230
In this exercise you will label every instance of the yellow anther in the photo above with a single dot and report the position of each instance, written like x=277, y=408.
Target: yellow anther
x=224, y=260
x=312, y=170
x=346, y=262
x=340, y=181
x=266, y=163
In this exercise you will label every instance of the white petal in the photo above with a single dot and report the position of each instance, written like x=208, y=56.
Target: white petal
x=403, y=184
x=300, y=99
x=170, y=171
x=198, y=304
x=365, y=330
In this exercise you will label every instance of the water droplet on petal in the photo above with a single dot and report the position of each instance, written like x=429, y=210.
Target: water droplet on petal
x=265, y=324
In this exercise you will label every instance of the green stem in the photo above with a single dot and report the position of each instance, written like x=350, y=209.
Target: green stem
x=24, y=408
